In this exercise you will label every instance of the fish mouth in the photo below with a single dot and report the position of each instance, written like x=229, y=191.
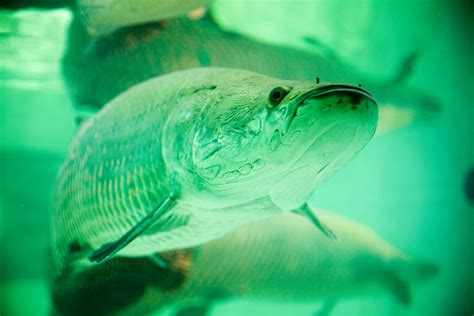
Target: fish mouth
x=356, y=92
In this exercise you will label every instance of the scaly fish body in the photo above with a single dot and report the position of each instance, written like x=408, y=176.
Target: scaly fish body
x=281, y=258
x=219, y=147
x=284, y=258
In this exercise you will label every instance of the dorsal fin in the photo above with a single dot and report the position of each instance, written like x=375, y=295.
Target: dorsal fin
x=405, y=70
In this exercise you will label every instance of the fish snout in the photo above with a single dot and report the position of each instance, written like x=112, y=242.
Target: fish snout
x=339, y=102
x=341, y=95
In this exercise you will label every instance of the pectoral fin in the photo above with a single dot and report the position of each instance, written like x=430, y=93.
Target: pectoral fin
x=406, y=68
x=306, y=211
x=106, y=251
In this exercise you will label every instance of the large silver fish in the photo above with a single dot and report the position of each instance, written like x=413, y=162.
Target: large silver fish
x=98, y=69
x=281, y=258
x=184, y=158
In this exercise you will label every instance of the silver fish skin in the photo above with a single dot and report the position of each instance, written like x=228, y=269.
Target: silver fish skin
x=228, y=146
x=282, y=258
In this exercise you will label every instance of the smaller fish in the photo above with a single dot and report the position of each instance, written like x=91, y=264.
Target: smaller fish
x=281, y=258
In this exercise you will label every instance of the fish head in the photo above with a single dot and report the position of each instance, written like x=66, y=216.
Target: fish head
x=325, y=126
x=266, y=137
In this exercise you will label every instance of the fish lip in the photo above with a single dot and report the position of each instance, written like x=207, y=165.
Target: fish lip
x=321, y=90
x=332, y=88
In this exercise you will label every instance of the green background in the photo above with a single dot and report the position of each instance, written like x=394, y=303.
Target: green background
x=407, y=185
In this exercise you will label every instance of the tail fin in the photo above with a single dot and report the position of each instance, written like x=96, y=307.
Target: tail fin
x=406, y=67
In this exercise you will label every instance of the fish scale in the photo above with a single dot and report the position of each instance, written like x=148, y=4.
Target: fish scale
x=209, y=269
x=98, y=205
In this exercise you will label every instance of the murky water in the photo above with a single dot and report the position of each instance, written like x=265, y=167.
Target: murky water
x=408, y=185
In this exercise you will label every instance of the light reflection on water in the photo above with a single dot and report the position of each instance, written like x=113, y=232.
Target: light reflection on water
x=32, y=43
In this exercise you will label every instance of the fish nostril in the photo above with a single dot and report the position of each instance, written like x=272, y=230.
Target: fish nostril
x=340, y=96
x=354, y=98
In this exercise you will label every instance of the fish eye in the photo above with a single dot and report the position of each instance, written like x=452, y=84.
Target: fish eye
x=277, y=95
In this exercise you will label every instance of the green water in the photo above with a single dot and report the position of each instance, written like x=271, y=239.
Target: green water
x=407, y=185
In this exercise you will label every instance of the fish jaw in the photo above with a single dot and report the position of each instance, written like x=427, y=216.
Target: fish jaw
x=336, y=121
